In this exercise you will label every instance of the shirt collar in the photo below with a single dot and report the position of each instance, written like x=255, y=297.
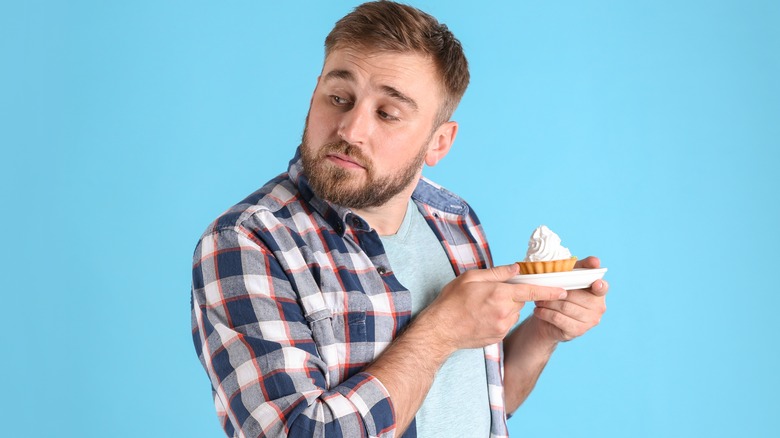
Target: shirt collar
x=427, y=192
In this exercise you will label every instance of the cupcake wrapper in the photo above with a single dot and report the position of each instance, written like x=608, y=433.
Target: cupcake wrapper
x=545, y=267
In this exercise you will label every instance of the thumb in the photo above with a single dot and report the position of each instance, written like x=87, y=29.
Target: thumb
x=501, y=273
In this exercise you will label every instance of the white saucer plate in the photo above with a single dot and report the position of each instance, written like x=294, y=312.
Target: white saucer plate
x=574, y=279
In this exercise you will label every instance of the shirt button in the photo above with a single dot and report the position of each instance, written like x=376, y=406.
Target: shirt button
x=381, y=270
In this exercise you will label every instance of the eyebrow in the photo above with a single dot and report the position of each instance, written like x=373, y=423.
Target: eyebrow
x=386, y=89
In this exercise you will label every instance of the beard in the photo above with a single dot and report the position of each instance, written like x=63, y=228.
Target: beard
x=341, y=187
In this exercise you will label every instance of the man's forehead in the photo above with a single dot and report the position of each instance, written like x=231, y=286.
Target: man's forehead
x=399, y=75
x=383, y=62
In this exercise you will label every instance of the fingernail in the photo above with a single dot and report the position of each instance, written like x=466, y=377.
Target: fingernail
x=563, y=295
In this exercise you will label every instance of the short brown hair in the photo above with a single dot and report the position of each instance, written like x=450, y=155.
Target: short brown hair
x=394, y=27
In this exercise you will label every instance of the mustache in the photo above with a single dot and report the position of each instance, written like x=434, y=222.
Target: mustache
x=345, y=148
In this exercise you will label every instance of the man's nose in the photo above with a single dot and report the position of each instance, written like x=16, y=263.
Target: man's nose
x=356, y=125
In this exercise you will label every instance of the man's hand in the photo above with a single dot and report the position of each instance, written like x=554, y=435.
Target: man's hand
x=579, y=312
x=479, y=308
x=528, y=348
x=476, y=309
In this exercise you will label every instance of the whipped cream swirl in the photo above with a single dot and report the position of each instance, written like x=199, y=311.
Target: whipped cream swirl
x=544, y=246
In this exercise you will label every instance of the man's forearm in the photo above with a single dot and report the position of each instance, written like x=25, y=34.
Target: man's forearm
x=526, y=353
x=407, y=369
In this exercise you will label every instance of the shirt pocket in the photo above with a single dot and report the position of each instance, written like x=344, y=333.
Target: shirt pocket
x=356, y=326
x=353, y=329
x=349, y=318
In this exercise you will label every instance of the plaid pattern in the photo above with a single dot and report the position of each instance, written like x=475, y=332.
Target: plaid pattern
x=293, y=296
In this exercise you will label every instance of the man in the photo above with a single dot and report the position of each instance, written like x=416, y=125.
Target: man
x=352, y=297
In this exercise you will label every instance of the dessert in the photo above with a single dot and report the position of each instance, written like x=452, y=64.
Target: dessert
x=545, y=254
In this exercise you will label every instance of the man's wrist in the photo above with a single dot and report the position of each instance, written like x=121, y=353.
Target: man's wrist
x=535, y=335
x=432, y=332
x=544, y=334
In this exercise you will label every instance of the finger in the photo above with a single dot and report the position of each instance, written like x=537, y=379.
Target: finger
x=589, y=314
x=599, y=288
x=529, y=292
x=580, y=297
x=514, y=305
x=589, y=262
x=496, y=273
x=570, y=328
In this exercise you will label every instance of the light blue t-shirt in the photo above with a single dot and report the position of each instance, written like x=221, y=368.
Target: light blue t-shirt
x=457, y=403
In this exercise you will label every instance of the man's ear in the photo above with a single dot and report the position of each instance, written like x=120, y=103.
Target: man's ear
x=441, y=142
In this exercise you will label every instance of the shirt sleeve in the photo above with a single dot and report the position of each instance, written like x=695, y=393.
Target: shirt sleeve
x=256, y=345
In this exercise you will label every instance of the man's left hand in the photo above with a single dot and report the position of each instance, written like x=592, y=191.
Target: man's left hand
x=582, y=309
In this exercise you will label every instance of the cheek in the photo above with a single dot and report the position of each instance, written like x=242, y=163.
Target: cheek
x=321, y=124
x=389, y=161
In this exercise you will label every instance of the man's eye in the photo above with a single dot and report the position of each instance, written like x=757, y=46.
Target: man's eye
x=337, y=100
x=386, y=116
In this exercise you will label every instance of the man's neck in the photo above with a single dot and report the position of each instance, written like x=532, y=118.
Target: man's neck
x=386, y=219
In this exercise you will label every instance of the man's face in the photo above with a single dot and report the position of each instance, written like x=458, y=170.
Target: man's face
x=370, y=126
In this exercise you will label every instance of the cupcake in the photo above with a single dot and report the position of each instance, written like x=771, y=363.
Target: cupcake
x=545, y=254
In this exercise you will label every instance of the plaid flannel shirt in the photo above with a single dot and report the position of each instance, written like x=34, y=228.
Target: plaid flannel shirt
x=292, y=297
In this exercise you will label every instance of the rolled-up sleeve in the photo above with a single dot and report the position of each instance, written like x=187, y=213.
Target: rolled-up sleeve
x=256, y=345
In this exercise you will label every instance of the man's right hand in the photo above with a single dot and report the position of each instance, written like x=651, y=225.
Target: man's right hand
x=476, y=309
x=479, y=307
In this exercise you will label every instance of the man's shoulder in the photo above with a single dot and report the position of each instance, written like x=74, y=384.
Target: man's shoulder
x=273, y=199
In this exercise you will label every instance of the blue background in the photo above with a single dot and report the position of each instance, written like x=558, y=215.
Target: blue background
x=643, y=132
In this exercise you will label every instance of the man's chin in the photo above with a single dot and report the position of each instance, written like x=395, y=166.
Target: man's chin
x=339, y=187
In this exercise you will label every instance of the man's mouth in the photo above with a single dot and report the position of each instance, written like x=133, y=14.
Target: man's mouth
x=344, y=160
